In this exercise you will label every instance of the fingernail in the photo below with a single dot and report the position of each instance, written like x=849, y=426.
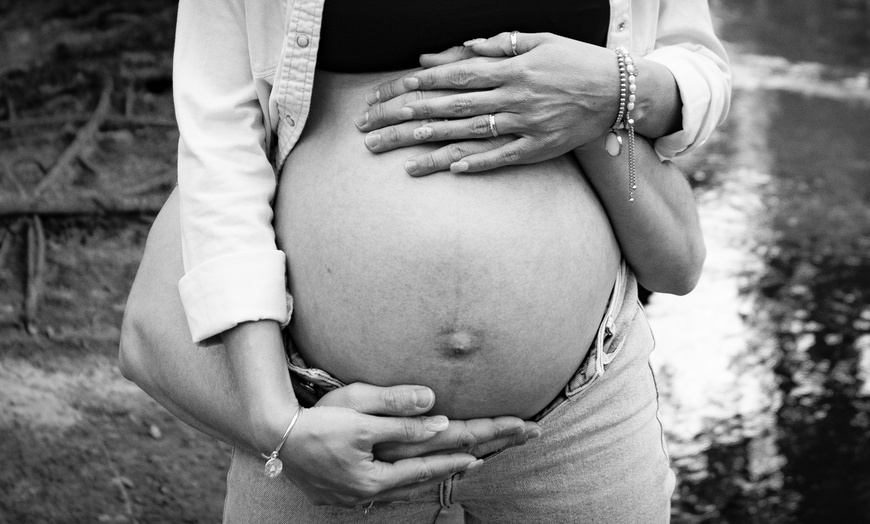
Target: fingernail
x=423, y=133
x=372, y=97
x=459, y=167
x=406, y=113
x=474, y=465
x=473, y=41
x=411, y=83
x=361, y=120
x=423, y=397
x=535, y=433
x=436, y=423
x=411, y=167
x=373, y=139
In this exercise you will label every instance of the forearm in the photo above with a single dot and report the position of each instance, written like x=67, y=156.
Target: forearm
x=659, y=232
x=255, y=354
x=193, y=382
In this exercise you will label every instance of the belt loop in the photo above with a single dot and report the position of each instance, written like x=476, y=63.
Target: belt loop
x=613, y=307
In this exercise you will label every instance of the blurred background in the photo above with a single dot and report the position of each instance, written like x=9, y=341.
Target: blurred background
x=763, y=370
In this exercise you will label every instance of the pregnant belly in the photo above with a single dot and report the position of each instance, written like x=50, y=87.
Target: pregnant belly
x=486, y=288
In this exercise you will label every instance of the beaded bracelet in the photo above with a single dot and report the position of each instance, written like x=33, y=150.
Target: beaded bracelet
x=627, y=89
x=273, y=463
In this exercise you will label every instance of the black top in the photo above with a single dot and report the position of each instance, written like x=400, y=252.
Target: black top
x=384, y=35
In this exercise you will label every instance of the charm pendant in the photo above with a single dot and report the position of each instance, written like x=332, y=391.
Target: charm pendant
x=613, y=143
x=273, y=467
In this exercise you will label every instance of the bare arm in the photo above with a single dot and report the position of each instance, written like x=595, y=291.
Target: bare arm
x=659, y=232
x=199, y=385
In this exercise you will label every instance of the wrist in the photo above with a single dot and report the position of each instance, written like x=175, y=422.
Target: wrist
x=258, y=366
x=658, y=109
x=591, y=148
x=269, y=423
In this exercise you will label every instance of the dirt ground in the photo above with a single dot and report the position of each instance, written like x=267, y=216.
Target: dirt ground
x=78, y=442
x=82, y=444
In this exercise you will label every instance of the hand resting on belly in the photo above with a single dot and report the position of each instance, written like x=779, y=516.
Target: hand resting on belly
x=488, y=289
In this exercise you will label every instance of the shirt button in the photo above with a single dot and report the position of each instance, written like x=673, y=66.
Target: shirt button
x=302, y=41
x=621, y=26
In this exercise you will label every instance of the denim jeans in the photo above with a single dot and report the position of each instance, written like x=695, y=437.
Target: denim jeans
x=601, y=457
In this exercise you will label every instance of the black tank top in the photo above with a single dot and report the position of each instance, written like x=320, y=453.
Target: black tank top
x=359, y=36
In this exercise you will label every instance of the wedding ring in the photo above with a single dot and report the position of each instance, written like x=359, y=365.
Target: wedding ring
x=514, y=43
x=492, y=128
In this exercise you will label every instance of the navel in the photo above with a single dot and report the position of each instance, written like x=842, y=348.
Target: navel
x=459, y=343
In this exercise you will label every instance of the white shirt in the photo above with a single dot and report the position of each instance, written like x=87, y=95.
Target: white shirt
x=242, y=79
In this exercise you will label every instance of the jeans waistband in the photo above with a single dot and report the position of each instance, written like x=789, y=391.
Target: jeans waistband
x=310, y=384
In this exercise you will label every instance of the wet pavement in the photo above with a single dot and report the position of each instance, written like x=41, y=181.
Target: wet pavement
x=764, y=370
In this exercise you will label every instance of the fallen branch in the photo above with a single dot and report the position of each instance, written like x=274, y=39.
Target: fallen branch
x=148, y=186
x=83, y=203
x=35, y=272
x=110, y=121
x=85, y=136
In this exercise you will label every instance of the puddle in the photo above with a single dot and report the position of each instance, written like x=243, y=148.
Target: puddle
x=764, y=368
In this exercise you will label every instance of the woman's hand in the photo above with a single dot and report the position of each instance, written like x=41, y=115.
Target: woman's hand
x=556, y=95
x=477, y=437
x=330, y=452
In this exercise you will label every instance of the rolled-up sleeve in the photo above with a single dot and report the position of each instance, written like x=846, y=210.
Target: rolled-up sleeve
x=688, y=47
x=233, y=269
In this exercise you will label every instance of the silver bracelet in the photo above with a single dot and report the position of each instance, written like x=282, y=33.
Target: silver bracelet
x=627, y=97
x=274, y=466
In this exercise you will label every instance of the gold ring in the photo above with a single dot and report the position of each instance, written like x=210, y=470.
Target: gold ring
x=492, y=128
x=514, y=43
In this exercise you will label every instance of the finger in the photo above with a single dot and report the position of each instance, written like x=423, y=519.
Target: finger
x=454, y=54
x=386, y=112
x=530, y=432
x=389, y=112
x=412, y=471
x=399, y=401
x=460, y=436
x=500, y=45
x=465, y=74
x=441, y=159
x=494, y=442
x=387, y=91
x=516, y=152
x=460, y=105
x=431, y=130
x=399, y=135
x=402, y=429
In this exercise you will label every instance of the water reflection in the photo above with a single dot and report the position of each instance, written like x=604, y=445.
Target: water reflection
x=834, y=32
x=765, y=369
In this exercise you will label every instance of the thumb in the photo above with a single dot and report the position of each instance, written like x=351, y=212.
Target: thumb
x=501, y=45
x=454, y=54
x=399, y=401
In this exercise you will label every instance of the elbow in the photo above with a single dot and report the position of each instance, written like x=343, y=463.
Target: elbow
x=677, y=275
x=131, y=360
x=687, y=272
